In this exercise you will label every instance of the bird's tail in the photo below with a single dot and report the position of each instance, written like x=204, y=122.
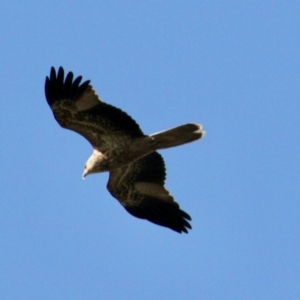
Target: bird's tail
x=178, y=136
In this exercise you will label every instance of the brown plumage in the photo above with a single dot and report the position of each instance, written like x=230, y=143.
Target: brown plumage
x=136, y=170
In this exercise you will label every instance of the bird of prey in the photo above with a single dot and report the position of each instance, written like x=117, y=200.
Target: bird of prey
x=136, y=171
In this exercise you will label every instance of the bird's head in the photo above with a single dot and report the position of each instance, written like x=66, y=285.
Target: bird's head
x=95, y=164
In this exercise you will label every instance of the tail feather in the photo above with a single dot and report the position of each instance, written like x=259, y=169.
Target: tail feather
x=178, y=136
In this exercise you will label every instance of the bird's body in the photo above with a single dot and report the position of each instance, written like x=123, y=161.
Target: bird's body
x=137, y=171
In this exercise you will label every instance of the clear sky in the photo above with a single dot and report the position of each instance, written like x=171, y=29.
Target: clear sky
x=232, y=66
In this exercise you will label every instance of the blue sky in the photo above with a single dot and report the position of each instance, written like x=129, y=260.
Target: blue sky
x=232, y=66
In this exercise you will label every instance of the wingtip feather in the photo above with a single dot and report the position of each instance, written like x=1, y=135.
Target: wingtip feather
x=57, y=86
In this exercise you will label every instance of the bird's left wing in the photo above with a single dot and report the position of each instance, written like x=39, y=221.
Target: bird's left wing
x=77, y=107
x=139, y=187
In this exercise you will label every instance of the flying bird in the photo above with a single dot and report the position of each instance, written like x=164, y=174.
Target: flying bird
x=136, y=171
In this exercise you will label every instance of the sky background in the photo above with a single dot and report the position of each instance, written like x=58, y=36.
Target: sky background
x=232, y=66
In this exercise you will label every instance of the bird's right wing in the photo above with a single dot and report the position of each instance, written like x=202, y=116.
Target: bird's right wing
x=139, y=187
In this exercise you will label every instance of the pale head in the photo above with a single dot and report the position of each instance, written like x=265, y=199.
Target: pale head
x=95, y=164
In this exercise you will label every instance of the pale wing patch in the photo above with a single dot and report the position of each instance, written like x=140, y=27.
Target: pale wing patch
x=153, y=190
x=87, y=100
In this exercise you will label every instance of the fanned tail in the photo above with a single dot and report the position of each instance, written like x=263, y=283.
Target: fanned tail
x=178, y=136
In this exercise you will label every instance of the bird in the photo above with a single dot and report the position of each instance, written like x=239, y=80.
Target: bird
x=137, y=171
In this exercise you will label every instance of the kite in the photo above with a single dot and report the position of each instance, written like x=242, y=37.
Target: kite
x=136, y=171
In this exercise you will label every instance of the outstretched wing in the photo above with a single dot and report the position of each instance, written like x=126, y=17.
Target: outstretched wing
x=77, y=107
x=139, y=187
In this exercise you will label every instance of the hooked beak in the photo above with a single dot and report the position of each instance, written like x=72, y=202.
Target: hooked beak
x=84, y=174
